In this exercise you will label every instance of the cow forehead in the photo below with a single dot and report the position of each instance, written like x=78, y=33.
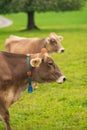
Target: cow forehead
x=44, y=56
x=48, y=59
x=53, y=35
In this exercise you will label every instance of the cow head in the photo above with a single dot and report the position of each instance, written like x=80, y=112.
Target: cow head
x=53, y=43
x=44, y=69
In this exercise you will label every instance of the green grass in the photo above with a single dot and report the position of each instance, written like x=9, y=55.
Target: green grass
x=54, y=106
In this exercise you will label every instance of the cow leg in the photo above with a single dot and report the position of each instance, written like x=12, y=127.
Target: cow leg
x=4, y=114
x=7, y=120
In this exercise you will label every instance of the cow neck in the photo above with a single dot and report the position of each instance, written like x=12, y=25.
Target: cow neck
x=45, y=43
x=29, y=74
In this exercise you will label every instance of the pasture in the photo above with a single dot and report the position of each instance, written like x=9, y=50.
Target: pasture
x=54, y=106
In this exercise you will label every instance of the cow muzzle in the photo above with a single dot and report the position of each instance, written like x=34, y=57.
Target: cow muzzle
x=61, y=50
x=61, y=79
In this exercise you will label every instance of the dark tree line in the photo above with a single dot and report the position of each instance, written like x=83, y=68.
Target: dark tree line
x=32, y=6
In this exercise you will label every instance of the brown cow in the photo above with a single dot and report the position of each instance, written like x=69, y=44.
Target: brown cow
x=23, y=45
x=14, y=79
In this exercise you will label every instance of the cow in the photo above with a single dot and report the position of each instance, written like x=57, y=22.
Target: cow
x=24, y=45
x=14, y=77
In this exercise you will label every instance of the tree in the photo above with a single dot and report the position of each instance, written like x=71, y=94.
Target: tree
x=31, y=6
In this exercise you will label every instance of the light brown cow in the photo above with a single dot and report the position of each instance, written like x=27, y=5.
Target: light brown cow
x=23, y=45
x=14, y=80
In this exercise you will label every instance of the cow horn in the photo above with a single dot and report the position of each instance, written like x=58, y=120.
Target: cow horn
x=35, y=62
x=43, y=50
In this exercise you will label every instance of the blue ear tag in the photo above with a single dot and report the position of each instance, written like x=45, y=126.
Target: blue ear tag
x=30, y=89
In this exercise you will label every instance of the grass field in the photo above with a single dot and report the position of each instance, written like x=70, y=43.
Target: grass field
x=54, y=106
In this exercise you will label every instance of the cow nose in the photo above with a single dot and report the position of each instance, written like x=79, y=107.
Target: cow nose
x=61, y=79
x=64, y=79
x=62, y=50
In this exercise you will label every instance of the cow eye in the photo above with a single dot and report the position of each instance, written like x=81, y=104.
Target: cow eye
x=50, y=63
x=53, y=41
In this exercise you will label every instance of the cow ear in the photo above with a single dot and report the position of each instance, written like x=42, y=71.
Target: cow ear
x=35, y=62
x=60, y=38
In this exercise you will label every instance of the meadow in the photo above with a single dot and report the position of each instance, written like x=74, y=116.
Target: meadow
x=54, y=106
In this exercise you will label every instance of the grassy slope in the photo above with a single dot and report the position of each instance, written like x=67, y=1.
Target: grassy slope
x=53, y=106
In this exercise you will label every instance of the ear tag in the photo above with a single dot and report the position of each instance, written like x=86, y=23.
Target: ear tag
x=30, y=89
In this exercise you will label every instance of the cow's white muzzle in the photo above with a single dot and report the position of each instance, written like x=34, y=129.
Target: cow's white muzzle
x=61, y=79
x=61, y=50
